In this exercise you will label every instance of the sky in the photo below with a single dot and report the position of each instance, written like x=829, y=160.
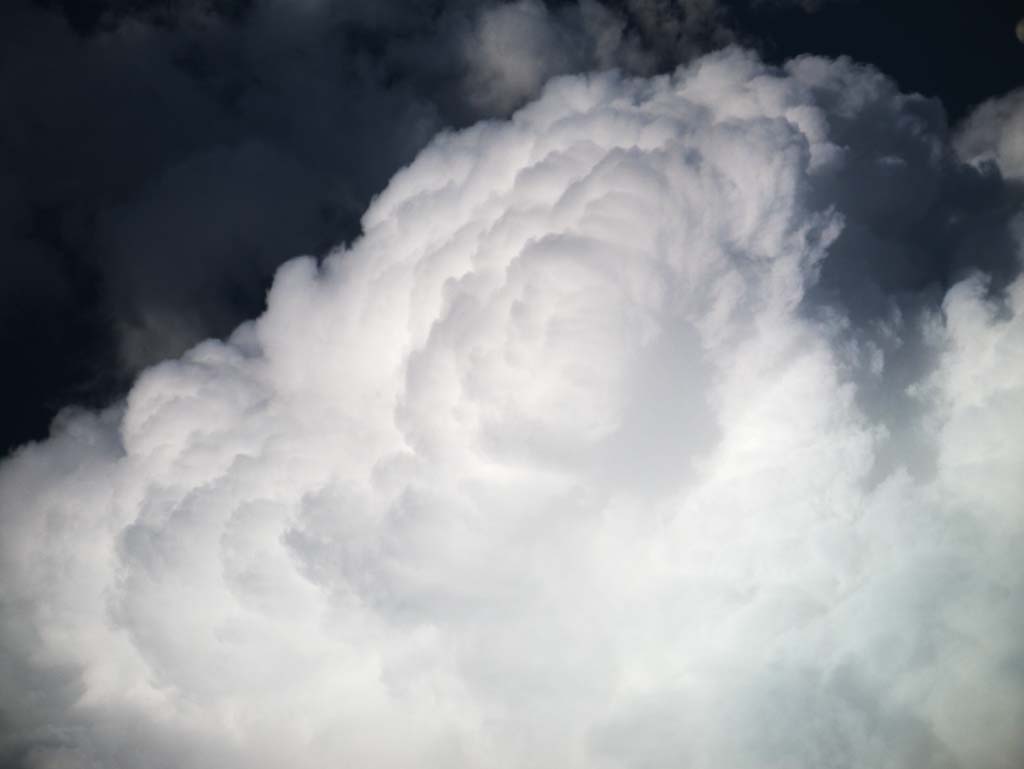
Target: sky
x=600, y=384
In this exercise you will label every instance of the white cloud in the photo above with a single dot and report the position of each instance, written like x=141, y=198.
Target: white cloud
x=514, y=50
x=995, y=132
x=564, y=463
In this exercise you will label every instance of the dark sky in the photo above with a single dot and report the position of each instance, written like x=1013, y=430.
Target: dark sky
x=959, y=52
x=158, y=160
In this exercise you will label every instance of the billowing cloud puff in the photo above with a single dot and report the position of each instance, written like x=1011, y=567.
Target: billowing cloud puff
x=995, y=133
x=513, y=49
x=626, y=436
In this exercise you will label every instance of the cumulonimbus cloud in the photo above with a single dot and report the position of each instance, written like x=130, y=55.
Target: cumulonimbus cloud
x=595, y=450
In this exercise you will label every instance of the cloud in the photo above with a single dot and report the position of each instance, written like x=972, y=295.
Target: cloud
x=993, y=133
x=579, y=456
x=513, y=49
x=120, y=111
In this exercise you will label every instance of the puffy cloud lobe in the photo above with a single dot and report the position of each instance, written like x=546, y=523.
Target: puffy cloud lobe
x=994, y=133
x=514, y=48
x=568, y=461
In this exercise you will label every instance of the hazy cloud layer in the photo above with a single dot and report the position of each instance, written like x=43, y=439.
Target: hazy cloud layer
x=630, y=434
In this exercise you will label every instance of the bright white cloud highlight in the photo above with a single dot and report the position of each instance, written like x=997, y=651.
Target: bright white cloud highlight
x=570, y=461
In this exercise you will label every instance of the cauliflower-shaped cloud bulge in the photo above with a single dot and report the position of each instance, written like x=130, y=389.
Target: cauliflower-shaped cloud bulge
x=624, y=437
x=995, y=133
